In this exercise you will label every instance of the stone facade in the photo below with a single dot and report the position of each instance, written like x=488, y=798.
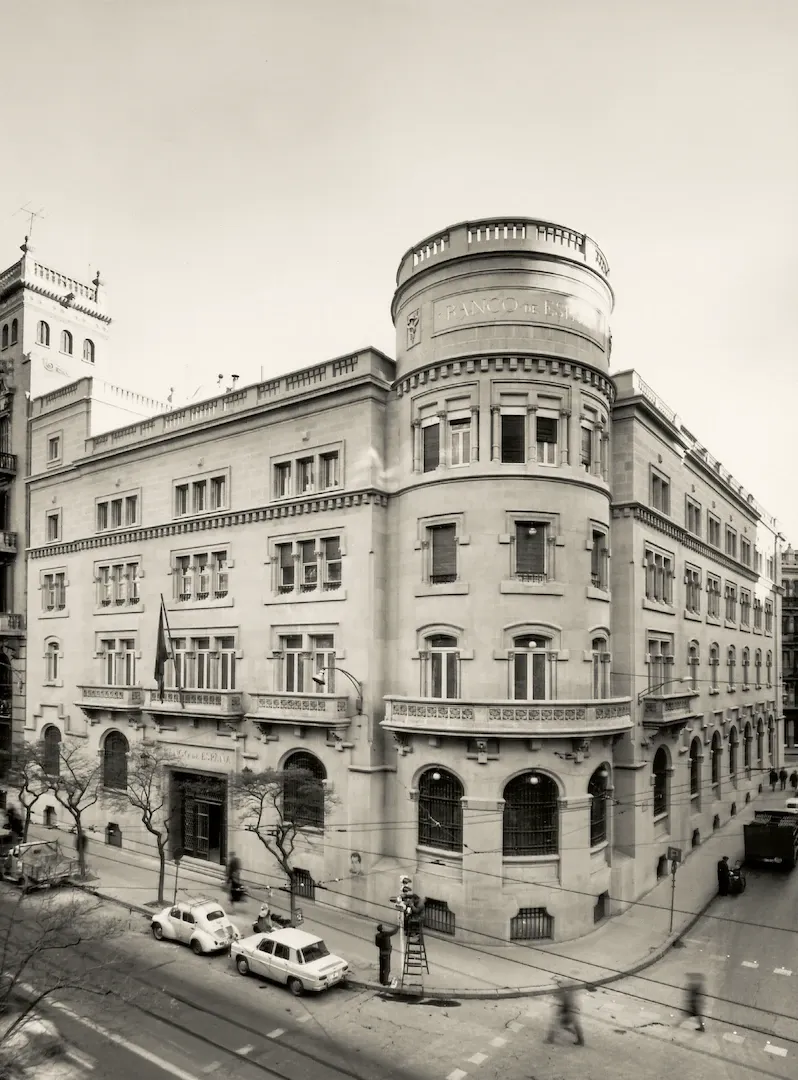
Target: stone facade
x=489, y=535
x=789, y=585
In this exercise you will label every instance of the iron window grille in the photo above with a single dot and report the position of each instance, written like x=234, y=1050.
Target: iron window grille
x=695, y=769
x=115, y=751
x=597, y=789
x=532, y=924
x=440, y=810
x=660, y=771
x=531, y=816
x=438, y=917
x=303, y=795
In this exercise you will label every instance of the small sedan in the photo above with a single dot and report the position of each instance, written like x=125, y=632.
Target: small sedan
x=200, y=924
x=295, y=957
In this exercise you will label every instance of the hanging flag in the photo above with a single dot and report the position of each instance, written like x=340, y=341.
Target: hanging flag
x=162, y=651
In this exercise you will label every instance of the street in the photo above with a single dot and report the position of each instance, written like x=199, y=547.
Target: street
x=192, y=1016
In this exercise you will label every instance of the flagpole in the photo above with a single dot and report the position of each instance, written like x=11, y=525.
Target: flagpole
x=178, y=687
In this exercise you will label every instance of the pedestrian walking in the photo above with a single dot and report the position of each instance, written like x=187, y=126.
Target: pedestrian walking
x=566, y=1014
x=774, y=779
x=234, y=879
x=794, y=781
x=783, y=778
x=382, y=939
x=694, y=1004
x=724, y=876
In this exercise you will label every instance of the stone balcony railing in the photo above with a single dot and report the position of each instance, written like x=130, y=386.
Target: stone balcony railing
x=322, y=710
x=110, y=697
x=509, y=719
x=8, y=463
x=663, y=709
x=211, y=703
x=11, y=623
x=8, y=543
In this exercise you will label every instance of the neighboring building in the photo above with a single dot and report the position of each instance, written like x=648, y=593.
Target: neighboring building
x=53, y=330
x=506, y=546
x=789, y=585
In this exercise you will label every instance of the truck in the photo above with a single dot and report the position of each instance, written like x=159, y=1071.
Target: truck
x=772, y=837
x=39, y=864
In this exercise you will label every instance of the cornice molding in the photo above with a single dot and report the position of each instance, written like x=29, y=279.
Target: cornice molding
x=533, y=363
x=231, y=519
x=72, y=306
x=657, y=521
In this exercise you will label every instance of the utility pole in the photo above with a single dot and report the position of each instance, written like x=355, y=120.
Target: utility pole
x=675, y=856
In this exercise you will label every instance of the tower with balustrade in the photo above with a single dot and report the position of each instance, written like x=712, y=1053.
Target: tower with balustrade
x=500, y=699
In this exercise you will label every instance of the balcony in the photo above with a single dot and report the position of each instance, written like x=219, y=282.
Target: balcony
x=8, y=543
x=114, y=698
x=509, y=719
x=8, y=464
x=214, y=704
x=11, y=624
x=669, y=710
x=317, y=710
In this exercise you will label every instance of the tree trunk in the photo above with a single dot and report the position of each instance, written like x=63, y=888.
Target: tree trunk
x=27, y=821
x=80, y=843
x=292, y=897
x=161, y=870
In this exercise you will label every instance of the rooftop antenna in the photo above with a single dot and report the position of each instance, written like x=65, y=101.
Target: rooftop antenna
x=32, y=215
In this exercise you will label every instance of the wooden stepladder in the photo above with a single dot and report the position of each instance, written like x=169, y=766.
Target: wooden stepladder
x=415, y=961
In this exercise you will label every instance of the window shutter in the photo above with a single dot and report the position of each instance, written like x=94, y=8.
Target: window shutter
x=530, y=548
x=512, y=438
x=547, y=429
x=432, y=446
x=444, y=551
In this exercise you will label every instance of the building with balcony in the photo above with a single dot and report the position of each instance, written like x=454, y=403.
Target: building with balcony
x=789, y=587
x=543, y=614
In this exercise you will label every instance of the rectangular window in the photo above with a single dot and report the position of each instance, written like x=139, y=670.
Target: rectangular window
x=692, y=580
x=116, y=513
x=331, y=562
x=529, y=675
x=530, y=551
x=745, y=551
x=660, y=663
x=102, y=516
x=547, y=431
x=285, y=568
x=731, y=602
x=53, y=526
x=293, y=665
x=199, y=494
x=713, y=596
x=304, y=475
x=308, y=568
x=118, y=661
x=731, y=542
x=660, y=492
x=181, y=500
x=771, y=566
x=282, y=480
x=132, y=574
x=322, y=658
x=54, y=591
x=218, y=492
x=54, y=448
x=512, y=443
x=659, y=577
x=183, y=577
x=768, y=617
x=176, y=673
x=220, y=574
x=201, y=576
x=599, y=560
x=131, y=509
x=693, y=517
x=757, y=614
x=442, y=672
x=200, y=663
x=431, y=446
x=459, y=442
x=713, y=530
x=443, y=553
x=586, y=452
x=224, y=674
x=329, y=472
x=105, y=594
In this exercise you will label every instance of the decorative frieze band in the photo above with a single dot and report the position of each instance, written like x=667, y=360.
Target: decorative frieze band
x=541, y=365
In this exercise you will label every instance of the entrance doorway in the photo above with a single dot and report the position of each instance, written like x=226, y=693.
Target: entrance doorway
x=201, y=805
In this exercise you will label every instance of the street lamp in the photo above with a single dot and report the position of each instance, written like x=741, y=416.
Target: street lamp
x=653, y=689
x=321, y=680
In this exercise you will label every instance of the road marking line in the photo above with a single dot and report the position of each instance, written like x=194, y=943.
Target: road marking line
x=718, y=956
x=782, y=971
x=80, y=1059
x=477, y=1059
x=498, y=1041
x=733, y=1037
x=244, y=1050
x=456, y=1074
x=780, y=1051
x=275, y=1034
x=161, y=1063
x=303, y=1019
x=750, y=963
x=696, y=940
x=515, y=1026
x=214, y=1065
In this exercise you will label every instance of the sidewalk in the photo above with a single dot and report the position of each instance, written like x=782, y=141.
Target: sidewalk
x=623, y=945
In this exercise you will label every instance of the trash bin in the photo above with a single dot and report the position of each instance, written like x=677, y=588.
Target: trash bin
x=113, y=834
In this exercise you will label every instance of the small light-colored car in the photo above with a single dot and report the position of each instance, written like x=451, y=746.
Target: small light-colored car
x=295, y=957
x=792, y=806
x=201, y=924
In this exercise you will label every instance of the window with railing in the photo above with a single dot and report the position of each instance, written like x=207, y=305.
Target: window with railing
x=442, y=547
x=731, y=602
x=695, y=773
x=692, y=591
x=54, y=591
x=440, y=810
x=531, y=816
x=659, y=576
x=713, y=596
x=531, y=551
x=118, y=584
x=301, y=657
x=597, y=791
x=201, y=576
x=745, y=607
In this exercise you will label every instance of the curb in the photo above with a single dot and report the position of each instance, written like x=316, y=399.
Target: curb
x=475, y=994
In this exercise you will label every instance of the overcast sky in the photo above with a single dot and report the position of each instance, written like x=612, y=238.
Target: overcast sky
x=247, y=174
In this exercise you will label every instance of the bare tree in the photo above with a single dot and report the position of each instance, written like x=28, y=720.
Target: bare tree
x=279, y=806
x=76, y=786
x=148, y=792
x=27, y=778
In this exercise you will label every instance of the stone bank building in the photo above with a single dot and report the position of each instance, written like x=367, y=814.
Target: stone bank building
x=541, y=617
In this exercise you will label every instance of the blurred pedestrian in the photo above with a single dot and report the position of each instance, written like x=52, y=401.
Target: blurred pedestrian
x=774, y=779
x=724, y=875
x=694, y=1003
x=783, y=778
x=566, y=1013
x=234, y=879
x=382, y=939
x=16, y=826
x=794, y=781
x=414, y=915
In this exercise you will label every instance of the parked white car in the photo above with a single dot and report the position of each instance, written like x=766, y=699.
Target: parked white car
x=201, y=924
x=295, y=957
